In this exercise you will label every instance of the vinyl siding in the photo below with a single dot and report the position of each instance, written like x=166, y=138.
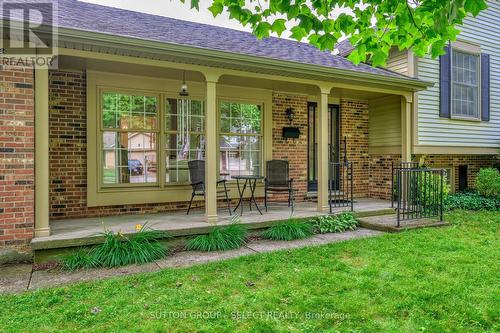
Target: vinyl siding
x=398, y=61
x=433, y=130
x=385, y=123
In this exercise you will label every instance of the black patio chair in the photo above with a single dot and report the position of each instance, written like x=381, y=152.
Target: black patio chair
x=277, y=180
x=197, y=174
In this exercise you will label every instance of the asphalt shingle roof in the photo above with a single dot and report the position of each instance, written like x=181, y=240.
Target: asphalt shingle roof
x=79, y=15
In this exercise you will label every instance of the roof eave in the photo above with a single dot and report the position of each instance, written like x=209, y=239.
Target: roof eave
x=327, y=72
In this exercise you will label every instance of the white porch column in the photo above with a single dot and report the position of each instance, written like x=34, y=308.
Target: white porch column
x=211, y=146
x=406, y=128
x=42, y=227
x=323, y=166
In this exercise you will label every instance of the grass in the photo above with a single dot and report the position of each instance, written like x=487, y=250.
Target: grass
x=289, y=230
x=428, y=280
x=219, y=239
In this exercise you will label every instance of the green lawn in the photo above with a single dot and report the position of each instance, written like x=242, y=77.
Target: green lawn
x=431, y=280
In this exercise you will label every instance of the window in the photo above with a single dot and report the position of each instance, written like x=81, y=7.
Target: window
x=240, y=139
x=181, y=145
x=129, y=138
x=465, y=85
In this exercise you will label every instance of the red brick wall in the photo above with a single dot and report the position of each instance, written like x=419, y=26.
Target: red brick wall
x=16, y=156
x=474, y=162
x=380, y=175
x=381, y=166
x=354, y=129
x=293, y=150
x=68, y=154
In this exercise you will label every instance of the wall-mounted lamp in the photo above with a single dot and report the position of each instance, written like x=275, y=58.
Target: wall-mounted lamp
x=290, y=113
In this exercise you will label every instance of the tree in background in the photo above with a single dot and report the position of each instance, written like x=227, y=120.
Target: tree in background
x=371, y=26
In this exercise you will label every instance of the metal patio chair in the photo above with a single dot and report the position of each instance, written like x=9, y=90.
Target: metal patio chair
x=277, y=180
x=197, y=175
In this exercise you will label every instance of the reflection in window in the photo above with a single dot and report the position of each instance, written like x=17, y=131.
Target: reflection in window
x=129, y=139
x=240, y=139
x=182, y=146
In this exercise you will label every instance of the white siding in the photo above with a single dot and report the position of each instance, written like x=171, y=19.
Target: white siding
x=433, y=130
x=385, y=122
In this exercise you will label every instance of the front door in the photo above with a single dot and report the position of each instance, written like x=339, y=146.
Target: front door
x=312, y=142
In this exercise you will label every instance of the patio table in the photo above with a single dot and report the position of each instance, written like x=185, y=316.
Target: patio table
x=251, y=182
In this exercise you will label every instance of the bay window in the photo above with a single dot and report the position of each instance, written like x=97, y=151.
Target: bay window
x=240, y=139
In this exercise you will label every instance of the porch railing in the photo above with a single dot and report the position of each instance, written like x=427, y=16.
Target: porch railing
x=340, y=185
x=395, y=166
x=419, y=193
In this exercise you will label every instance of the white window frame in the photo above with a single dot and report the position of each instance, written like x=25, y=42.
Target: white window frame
x=461, y=48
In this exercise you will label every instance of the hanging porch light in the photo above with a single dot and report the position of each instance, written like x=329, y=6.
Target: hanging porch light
x=183, y=121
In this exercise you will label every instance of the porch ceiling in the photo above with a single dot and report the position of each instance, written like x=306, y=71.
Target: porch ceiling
x=79, y=63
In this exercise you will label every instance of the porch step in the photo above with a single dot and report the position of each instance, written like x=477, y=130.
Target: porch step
x=388, y=223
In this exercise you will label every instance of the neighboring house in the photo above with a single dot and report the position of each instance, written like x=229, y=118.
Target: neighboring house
x=68, y=132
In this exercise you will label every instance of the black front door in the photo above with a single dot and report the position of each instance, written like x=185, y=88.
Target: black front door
x=312, y=143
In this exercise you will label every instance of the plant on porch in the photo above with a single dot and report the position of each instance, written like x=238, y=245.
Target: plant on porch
x=120, y=250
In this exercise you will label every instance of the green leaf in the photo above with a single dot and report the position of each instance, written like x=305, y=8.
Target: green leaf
x=262, y=30
x=216, y=8
x=474, y=6
x=278, y=26
x=195, y=4
x=379, y=58
x=298, y=33
x=327, y=42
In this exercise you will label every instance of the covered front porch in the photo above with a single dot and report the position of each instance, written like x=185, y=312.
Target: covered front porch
x=80, y=183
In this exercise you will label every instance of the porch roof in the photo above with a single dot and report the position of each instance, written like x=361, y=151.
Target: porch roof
x=102, y=23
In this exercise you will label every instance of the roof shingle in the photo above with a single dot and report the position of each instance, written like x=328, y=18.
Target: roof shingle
x=84, y=16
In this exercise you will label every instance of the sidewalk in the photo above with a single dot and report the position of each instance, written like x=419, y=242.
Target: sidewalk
x=19, y=278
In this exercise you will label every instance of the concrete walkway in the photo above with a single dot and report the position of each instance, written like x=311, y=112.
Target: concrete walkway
x=19, y=278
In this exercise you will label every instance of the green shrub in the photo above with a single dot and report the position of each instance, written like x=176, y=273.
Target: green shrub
x=290, y=230
x=471, y=201
x=80, y=259
x=335, y=223
x=488, y=183
x=430, y=183
x=139, y=248
x=119, y=250
x=219, y=239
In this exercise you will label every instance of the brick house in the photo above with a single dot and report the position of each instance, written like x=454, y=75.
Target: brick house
x=69, y=134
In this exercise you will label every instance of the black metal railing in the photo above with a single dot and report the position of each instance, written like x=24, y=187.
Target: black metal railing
x=341, y=185
x=394, y=167
x=419, y=193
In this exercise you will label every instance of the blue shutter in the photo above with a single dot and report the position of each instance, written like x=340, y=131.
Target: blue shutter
x=485, y=87
x=445, y=84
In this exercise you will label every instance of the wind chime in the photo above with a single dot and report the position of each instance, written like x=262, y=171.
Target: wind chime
x=183, y=121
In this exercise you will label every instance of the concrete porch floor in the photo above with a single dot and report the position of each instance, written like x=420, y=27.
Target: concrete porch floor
x=85, y=231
